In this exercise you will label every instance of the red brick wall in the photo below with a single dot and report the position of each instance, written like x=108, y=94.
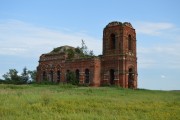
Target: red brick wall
x=120, y=59
x=92, y=64
x=117, y=65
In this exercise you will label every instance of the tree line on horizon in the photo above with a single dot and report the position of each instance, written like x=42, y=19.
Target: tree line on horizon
x=12, y=76
x=29, y=77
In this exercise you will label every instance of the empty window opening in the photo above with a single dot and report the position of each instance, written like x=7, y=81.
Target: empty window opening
x=51, y=76
x=58, y=76
x=87, y=76
x=129, y=42
x=130, y=78
x=112, y=76
x=77, y=74
x=68, y=76
x=44, y=76
x=113, y=41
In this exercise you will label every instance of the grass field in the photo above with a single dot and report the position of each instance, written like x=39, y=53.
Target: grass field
x=67, y=102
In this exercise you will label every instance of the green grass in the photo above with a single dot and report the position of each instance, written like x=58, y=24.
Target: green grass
x=67, y=102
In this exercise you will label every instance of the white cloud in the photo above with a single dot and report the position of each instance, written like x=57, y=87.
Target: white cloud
x=163, y=76
x=144, y=62
x=150, y=28
x=160, y=46
x=20, y=38
x=12, y=51
x=165, y=56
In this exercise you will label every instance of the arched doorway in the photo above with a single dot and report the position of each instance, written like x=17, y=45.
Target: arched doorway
x=58, y=76
x=51, y=76
x=112, y=77
x=77, y=75
x=87, y=76
x=44, y=76
x=68, y=76
x=130, y=78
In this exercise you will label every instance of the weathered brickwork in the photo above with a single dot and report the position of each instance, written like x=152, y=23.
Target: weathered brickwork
x=119, y=62
x=116, y=66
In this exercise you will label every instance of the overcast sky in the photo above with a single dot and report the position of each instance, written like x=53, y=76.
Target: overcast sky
x=29, y=28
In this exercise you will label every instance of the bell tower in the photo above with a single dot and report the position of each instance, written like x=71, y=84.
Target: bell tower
x=119, y=61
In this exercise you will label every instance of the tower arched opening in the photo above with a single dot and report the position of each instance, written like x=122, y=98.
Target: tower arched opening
x=113, y=41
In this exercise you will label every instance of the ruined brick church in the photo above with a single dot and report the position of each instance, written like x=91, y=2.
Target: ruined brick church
x=116, y=66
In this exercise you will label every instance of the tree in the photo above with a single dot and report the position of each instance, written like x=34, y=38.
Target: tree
x=91, y=53
x=84, y=48
x=70, y=53
x=78, y=50
x=32, y=75
x=71, y=77
x=24, y=75
x=12, y=76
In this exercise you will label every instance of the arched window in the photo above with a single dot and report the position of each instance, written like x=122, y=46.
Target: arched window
x=44, y=75
x=68, y=76
x=113, y=41
x=87, y=76
x=130, y=78
x=77, y=74
x=112, y=76
x=58, y=76
x=129, y=42
x=51, y=75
